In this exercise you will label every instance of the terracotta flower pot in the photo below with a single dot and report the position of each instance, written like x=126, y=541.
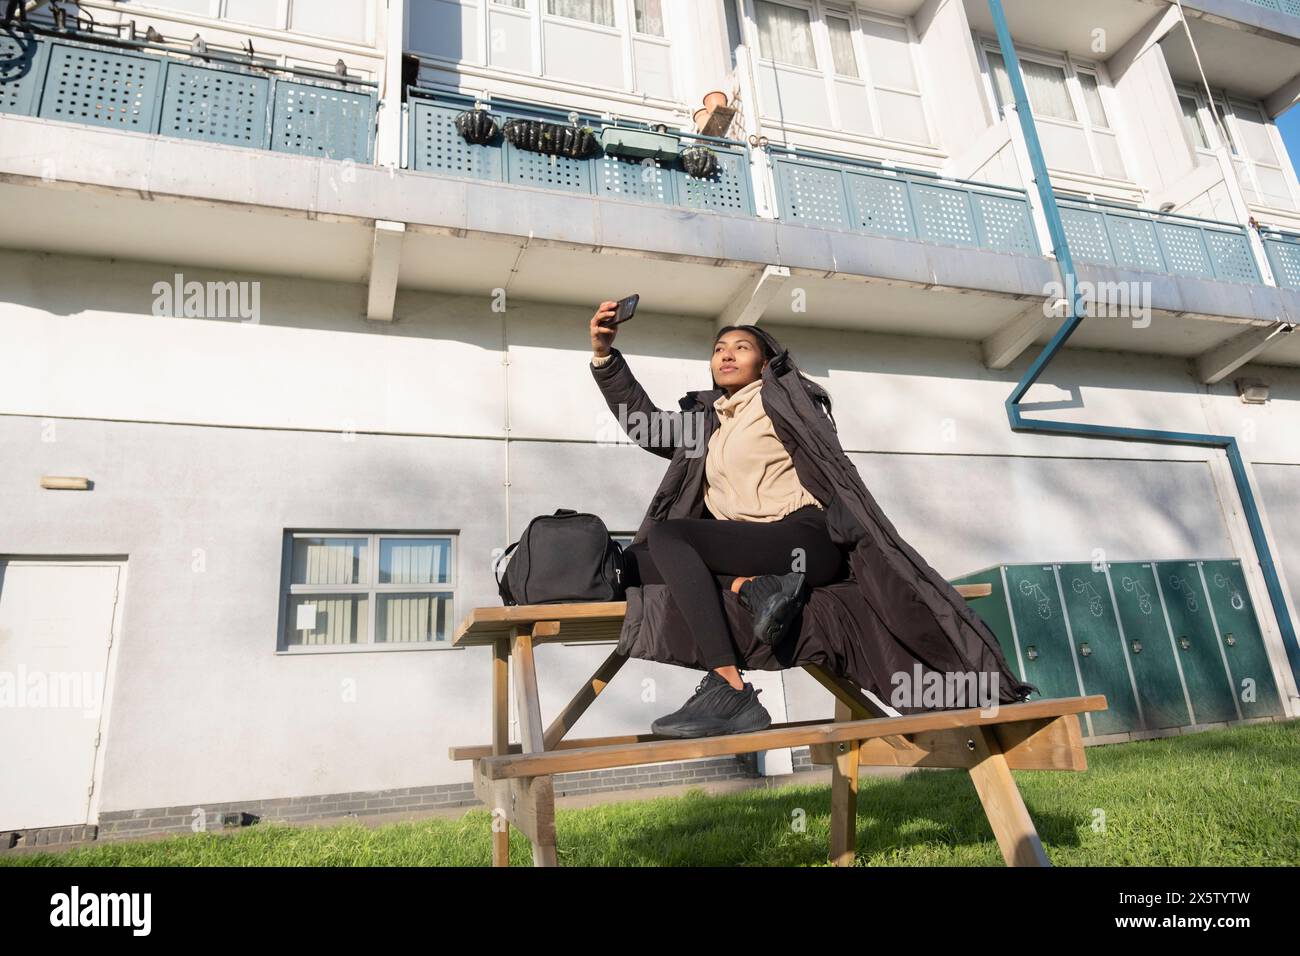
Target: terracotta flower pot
x=699, y=117
x=715, y=99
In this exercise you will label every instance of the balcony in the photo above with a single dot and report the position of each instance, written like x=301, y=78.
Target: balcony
x=435, y=146
x=1142, y=239
x=139, y=87
x=813, y=189
x=840, y=193
x=1283, y=250
x=1288, y=7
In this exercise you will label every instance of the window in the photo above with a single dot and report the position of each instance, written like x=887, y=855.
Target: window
x=517, y=4
x=1044, y=85
x=649, y=17
x=593, y=11
x=1245, y=129
x=826, y=66
x=1192, y=120
x=785, y=34
x=1092, y=98
x=339, y=19
x=1069, y=101
x=363, y=591
x=841, y=33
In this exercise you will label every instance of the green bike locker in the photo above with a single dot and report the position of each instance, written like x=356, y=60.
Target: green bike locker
x=1100, y=652
x=1040, y=630
x=1196, y=642
x=993, y=609
x=1150, y=650
x=1243, y=641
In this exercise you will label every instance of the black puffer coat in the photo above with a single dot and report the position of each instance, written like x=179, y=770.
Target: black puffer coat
x=893, y=613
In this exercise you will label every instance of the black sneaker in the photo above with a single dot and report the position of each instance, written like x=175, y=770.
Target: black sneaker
x=715, y=708
x=775, y=602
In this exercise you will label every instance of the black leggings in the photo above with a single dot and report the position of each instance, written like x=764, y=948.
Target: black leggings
x=697, y=556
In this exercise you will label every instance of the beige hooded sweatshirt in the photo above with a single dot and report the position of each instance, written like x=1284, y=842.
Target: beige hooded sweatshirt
x=748, y=474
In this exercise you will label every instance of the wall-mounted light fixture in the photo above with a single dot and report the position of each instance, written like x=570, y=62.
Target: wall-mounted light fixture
x=1251, y=390
x=65, y=483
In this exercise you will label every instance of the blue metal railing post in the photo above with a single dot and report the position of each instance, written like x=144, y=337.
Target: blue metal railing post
x=1061, y=247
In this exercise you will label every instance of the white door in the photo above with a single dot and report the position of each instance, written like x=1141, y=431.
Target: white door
x=56, y=626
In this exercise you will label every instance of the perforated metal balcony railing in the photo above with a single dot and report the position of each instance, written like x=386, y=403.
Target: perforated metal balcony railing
x=1283, y=250
x=1142, y=239
x=1281, y=6
x=840, y=193
x=129, y=87
x=435, y=146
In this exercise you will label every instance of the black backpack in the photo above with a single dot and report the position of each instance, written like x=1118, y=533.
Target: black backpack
x=567, y=557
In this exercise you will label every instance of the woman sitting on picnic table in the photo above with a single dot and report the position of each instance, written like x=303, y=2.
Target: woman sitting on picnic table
x=757, y=519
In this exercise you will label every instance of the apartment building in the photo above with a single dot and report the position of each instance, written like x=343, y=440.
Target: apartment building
x=293, y=342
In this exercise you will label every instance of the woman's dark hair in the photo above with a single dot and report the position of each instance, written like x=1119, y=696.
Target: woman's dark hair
x=779, y=358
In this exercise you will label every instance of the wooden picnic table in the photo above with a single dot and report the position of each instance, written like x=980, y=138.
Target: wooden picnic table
x=514, y=779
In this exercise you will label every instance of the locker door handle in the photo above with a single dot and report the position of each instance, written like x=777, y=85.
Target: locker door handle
x=1184, y=643
x=1229, y=639
x=1137, y=647
x=1031, y=652
x=1085, y=650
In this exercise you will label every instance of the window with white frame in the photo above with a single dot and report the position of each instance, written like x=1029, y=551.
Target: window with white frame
x=648, y=17
x=367, y=591
x=826, y=65
x=1072, y=106
x=1190, y=107
x=593, y=11
x=1262, y=151
x=337, y=19
x=619, y=45
x=1253, y=142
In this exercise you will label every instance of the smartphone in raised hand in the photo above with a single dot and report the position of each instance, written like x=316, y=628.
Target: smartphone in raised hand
x=625, y=309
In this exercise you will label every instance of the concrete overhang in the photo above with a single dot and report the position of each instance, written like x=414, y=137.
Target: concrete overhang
x=1244, y=17
x=1068, y=25
x=106, y=194
x=1250, y=63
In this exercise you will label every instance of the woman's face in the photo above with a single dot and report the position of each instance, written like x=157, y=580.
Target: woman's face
x=737, y=360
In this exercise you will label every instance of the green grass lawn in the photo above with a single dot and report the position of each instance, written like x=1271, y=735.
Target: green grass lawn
x=1222, y=797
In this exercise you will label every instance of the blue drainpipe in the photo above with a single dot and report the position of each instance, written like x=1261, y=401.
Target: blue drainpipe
x=1072, y=319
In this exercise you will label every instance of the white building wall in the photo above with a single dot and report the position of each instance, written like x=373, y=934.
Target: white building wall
x=204, y=708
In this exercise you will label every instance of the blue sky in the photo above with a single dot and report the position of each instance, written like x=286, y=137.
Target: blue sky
x=1289, y=124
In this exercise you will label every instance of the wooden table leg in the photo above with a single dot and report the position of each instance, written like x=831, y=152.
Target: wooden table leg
x=1003, y=805
x=536, y=793
x=583, y=699
x=844, y=795
x=500, y=744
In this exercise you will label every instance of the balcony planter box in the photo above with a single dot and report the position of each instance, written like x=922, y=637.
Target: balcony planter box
x=640, y=143
x=477, y=127
x=554, y=139
x=700, y=162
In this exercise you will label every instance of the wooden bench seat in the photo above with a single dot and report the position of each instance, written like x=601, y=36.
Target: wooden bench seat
x=514, y=779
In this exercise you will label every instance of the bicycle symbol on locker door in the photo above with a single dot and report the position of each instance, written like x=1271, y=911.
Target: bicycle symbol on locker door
x=1178, y=584
x=1220, y=581
x=1039, y=595
x=1143, y=595
x=1094, y=597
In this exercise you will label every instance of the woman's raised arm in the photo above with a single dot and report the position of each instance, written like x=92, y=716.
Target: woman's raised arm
x=649, y=426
